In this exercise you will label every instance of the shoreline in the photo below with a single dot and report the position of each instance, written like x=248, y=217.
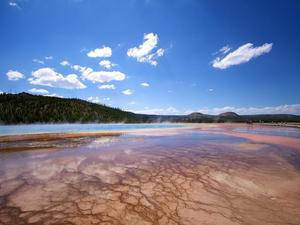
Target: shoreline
x=46, y=136
x=22, y=140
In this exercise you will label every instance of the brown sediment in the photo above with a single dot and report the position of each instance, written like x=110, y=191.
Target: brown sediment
x=292, y=125
x=171, y=179
x=14, y=143
x=54, y=136
x=23, y=142
x=284, y=141
x=268, y=139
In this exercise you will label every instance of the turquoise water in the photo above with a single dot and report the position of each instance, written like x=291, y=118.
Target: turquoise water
x=54, y=128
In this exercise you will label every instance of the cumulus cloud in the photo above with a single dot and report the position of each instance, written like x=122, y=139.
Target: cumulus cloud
x=150, y=42
x=93, y=99
x=38, y=91
x=100, y=52
x=44, y=92
x=281, y=109
x=48, y=77
x=38, y=61
x=158, y=111
x=127, y=92
x=243, y=54
x=145, y=84
x=65, y=63
x=144, y=52
x=107, y=86
x=106, y=64
x=102, y=76
x=88, y=73
x=14, y=75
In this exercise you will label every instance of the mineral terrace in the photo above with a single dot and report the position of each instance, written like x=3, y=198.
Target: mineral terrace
x=187, y=177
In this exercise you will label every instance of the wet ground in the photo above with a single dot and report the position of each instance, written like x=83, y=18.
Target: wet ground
x=214, y=174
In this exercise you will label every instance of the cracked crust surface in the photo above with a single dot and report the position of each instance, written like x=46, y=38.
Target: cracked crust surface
x=191, y=177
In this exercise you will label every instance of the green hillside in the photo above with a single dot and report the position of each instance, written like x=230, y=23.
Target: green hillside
x=27, y=108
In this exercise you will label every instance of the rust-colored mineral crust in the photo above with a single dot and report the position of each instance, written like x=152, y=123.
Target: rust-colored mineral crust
x=187, y=177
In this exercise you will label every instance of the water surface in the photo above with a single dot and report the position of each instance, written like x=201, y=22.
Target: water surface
x=57, y=128
x=182, y=177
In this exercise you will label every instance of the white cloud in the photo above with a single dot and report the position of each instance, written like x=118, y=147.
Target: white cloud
x=81, y=69
x=54, y=95
x=144, y=84
x=281, y=109
x=158, y=111
x=38, y=91
x=44, y=92
x=100, y=52
x=96, y=76
x=107, y=86
x=144, y=53
x=106, y=64
x=241, y=55
x=127, y=92
x=49, y=57
x=94, y=99
x=49, y=77
x=102, y=76
x=1, y=92
x=210, y=90
x=65, y=63
x=14, y=4
x=224, y=49
x=150, y=42
x=14, y=75
x=38, y=61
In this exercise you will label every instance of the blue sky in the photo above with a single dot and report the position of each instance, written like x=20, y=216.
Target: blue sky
x=152, y=56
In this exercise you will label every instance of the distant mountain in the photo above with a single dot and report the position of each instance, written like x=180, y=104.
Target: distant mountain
x=196, y=115
x=221, y=118
x=26, y=108
x=229, y=114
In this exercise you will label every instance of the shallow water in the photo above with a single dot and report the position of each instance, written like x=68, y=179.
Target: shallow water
x=279, y=131
x=56, y=128
x=189, y=176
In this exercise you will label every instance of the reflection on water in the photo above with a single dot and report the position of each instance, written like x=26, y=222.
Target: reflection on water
x=286, y=131
x=264, y=130
x=192, y=177
x=56, y=128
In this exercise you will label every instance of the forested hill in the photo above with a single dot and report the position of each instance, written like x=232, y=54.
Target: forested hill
x=27, y=108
